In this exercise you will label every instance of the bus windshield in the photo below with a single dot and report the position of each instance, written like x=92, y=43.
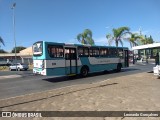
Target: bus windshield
x=37, y=48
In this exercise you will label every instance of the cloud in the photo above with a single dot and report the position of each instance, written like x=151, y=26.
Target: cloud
x=146, y=32
x=98, y=41
x=101, y=41
x=73, y=40
x=142, y=32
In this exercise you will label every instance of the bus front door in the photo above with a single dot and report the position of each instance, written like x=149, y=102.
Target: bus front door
x=71, y=61
x=126, y=58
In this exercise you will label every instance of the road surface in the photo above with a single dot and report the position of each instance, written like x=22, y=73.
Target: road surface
x=24, y=82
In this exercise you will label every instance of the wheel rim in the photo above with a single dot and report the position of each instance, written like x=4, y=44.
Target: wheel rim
x=84, y=72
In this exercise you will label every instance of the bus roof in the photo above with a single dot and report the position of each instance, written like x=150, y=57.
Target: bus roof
x=82, y=45
x=102, y=46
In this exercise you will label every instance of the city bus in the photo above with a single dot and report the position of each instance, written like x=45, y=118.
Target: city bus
x=60, y=59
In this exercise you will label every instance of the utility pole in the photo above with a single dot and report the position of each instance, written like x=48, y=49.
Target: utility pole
x=14, y=33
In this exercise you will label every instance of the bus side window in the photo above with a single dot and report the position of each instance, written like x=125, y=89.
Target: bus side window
x=59, y=52
x=55, y=51
x=94, y=52
x=49, y=50
x=83, y=52
x=67, y=56
x=116, y=52
x=104, y=52
x=120, y=53
x=113, y=52
x=86, y=52
x=80, y=51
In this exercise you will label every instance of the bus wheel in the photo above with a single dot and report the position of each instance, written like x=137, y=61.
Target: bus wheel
x=119, y=66
x=84, y=72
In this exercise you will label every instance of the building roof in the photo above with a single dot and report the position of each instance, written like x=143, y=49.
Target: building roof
x=154, y=45
x=23, y=53
x=27, y=51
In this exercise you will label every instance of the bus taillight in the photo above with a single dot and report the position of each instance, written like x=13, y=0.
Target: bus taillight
x=43, y=65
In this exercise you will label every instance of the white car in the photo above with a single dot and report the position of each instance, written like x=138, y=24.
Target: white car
x=156, y=71
x=18, y=66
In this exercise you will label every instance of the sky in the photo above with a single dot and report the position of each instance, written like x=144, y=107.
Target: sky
x=63, y=20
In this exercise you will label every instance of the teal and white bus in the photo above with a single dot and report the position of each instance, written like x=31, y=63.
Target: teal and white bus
x=59, y=59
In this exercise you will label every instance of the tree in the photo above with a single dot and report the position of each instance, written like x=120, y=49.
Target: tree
x=117, y=35
x=144, y=40
x=147, y=40
x=3, y=51
x=86, y=37
x=150, y=40
x=18, y=49
x=134, y=39
x=1, y=41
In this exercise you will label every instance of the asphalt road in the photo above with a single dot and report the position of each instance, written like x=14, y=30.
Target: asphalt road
x=28, y=83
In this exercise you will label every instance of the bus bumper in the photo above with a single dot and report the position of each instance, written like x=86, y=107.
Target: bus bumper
x=39, y=72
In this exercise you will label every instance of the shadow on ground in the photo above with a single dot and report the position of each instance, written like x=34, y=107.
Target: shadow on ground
x=70, y=78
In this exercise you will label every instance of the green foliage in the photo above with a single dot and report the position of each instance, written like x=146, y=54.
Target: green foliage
x=150, y=40
x=134, y=39
x=18, y=49
x=1, y=41
x=117, y=35
x=3, y=51
x=86, y=37
x=146, y=40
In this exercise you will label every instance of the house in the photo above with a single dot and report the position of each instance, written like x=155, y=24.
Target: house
x=24, y=56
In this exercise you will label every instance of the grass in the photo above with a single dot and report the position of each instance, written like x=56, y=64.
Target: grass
x=30, y=67
x=3, y=68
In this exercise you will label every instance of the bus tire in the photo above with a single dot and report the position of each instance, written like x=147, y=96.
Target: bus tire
x=84, y=71
x=119, y=66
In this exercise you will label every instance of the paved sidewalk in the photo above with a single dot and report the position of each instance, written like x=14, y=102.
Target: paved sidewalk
x=9, y=76
x=138, y=92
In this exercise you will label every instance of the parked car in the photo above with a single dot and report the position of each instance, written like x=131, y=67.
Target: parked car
x=18, y=66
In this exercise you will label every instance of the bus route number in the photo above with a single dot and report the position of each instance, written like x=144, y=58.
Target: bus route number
x=53, y=63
